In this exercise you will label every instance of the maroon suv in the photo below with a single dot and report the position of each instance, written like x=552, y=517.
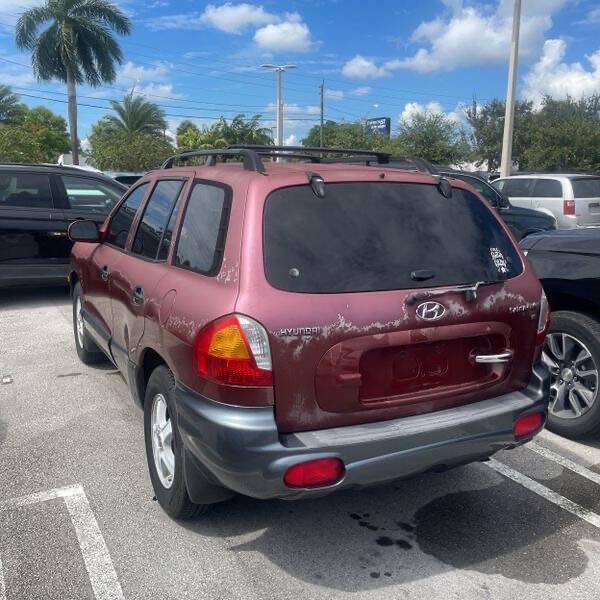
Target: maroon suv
x=296, y=328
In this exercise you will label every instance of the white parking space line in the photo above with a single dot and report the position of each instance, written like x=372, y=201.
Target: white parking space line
x=96, y=557
x=541, y=490
x=564, y=462
x=2, y=586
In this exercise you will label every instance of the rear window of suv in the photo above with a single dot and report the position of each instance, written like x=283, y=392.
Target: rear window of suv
x=372, y=236
x=586, y=187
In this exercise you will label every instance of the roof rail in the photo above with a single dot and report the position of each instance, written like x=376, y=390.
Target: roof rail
x=251, y=158
x=382, y=157
x=420, y=164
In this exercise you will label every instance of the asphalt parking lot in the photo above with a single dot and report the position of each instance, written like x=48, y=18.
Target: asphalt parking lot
x=78, y=520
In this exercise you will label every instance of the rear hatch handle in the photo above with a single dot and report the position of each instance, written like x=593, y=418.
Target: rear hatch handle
x=502, y=357
x=470, y=292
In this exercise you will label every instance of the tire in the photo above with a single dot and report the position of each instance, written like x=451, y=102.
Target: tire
x=87, y=350
x=574, y=410
x=168, y=483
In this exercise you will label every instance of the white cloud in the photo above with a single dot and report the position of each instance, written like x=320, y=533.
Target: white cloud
x=130, y=72
x=412, y=109
x=363, y=90
x=472, y=34
x=334, y=94
x=232, y=18
x=291, y=140
x=360, y=67
x=550, y=75
x=291, y=35
x=158, y=90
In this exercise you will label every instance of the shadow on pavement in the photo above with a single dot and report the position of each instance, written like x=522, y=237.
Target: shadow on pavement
x=365, y=539
x=33, y=297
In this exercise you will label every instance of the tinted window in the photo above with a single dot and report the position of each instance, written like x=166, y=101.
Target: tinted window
x=90, y=195
x=372, y=236
x=123, y=218
x=515, y=188
x=547, y=188
x=165, y=243
x=485, y=190
x=156, y=214
x=588, y=187
x=25, y=190
x=201, y=239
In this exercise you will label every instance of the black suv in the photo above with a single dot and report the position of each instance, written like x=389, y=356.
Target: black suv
x=37, y=204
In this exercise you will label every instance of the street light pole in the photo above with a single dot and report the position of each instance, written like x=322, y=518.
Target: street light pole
x=279, y=69
x=509, y=116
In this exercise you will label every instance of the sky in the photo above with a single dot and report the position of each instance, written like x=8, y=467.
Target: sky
x=389, y=58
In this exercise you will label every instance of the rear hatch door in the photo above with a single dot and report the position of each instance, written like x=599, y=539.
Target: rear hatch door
x=365, y=305
x=586, y=191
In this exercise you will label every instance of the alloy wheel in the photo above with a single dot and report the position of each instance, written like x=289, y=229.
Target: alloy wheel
x=162, y=441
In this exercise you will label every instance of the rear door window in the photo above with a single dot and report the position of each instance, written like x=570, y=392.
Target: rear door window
x=85, y=194
x=202, y=235
x=547, y=188
x=487, y=191
x=586, y=187
x=153, y=226
x=372, y=236
x=121, y=221
x=25, y=190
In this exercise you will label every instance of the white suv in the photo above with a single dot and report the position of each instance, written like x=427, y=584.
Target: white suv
x=573, y=199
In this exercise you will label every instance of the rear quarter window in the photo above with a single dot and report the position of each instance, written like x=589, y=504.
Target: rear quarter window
x=373, y=236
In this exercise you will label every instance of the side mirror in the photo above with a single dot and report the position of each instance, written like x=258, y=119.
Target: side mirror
x=84, y=231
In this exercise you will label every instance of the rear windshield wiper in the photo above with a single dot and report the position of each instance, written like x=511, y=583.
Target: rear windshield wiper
x=469, y=290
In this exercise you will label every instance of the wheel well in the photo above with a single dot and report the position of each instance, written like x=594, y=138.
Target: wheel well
x=560, y=301
x=150, y=360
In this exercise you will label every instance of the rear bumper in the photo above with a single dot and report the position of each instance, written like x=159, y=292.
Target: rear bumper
x=240, y=449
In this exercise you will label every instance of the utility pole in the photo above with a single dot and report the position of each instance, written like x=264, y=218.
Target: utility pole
x=279, y=69
x=509, y=116
x=321, y=130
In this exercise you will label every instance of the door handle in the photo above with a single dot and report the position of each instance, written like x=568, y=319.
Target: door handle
x=502, y=357
x=137, y=296
x=104, y=272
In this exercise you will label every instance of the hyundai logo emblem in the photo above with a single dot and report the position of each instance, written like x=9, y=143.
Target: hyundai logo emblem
x=430, y=311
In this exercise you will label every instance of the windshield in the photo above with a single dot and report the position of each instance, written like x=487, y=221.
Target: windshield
x=373, y=236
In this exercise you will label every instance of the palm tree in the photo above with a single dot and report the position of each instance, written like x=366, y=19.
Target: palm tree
x=240, y=131
x=77, y=46
x=135, y=114
x=8, y=103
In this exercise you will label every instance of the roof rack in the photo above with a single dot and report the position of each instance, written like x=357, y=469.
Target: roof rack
x=418, y=163
x=251, y=159
x=306, y=152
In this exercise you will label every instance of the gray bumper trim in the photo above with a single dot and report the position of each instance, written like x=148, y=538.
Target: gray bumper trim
x=240, y=448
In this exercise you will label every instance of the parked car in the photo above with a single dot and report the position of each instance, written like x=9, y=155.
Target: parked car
x=295, y=329
x=37, y=204
x=521, y=221
x=573, y=199
x=568, y=265
x=126, y=178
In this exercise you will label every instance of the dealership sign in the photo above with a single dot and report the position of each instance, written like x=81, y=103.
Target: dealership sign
x=379, y=126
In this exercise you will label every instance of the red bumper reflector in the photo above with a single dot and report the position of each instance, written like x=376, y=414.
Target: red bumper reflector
x=528, y=424
x=322, y=471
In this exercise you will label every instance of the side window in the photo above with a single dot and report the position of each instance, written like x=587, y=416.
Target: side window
x=123, y=218
x=518, y=187
x=90, y=195
x=25, y=190
x=202, y=235
x=485, y=190
x=547, y=188
x=153, y=226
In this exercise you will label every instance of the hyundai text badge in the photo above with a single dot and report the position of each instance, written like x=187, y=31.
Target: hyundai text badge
x=430, y=311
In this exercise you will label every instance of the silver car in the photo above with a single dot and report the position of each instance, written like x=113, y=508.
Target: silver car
x=573, y=199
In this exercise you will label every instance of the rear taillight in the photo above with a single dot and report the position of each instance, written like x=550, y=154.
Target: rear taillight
x=527, y=425
x=313, y=473
x=568, y=207
x=542, y=326
x=234, y=350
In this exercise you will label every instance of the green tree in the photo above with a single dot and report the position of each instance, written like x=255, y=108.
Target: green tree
x=242, y=131
x=184, y=126
x=136, y=114
x=342, y=135
x=9, y=104
x=432, y=136
x=564, y=135
x=51, y=130
x=127, y=150
x=206, y=138
x=18, y=144
x=487, y=122
x=77, y=46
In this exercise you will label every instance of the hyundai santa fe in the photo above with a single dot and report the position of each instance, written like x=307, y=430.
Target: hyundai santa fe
x=296, y=328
